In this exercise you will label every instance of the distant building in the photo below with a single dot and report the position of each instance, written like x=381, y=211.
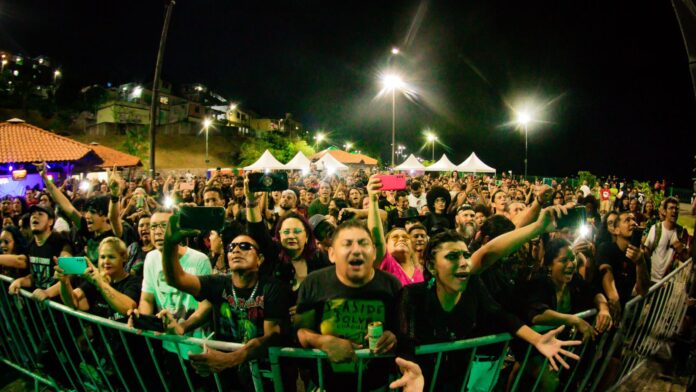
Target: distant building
x=287, y=125
x=37, y=76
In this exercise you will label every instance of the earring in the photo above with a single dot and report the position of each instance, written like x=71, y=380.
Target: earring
x=431, y=283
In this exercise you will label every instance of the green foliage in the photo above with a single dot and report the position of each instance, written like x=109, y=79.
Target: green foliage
x=587, y=176
x=282, y=147
x=649, y=192
x=137, y=143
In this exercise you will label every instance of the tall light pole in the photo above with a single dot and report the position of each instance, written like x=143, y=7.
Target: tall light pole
x=206, y=126
x=319, y=137
x=523, y=119
x=393, y=82
x=432, y=139
x=155, y=85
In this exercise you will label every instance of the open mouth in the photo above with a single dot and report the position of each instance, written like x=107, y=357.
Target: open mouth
x=462, y=275
x=355, y=264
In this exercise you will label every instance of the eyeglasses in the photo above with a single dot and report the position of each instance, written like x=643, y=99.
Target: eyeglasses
x=244, y=246
x=155, y=226
x=295, y=231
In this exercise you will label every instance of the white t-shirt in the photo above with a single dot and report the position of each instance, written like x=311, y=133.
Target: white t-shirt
x=662, y=255
x=179, y=304
x=585, y=190
x=417, y=202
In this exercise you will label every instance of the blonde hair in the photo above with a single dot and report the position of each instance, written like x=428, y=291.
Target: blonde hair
x=117, y=244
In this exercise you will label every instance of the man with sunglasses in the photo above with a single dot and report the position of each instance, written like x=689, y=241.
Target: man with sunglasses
x=247, y=308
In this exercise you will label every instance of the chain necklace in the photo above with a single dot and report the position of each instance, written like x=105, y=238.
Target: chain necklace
x=241, y=310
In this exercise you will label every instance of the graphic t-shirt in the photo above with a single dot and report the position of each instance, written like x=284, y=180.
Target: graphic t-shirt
x=91, y=240
x=604, y=194
x=242, y=320
x=181, y=305
x=98, y=306
x=345, y=312
x=41, y=259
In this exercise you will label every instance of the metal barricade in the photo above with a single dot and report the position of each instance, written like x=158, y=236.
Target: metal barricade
x=68, y=349
x=440, y=349
x=649, y=322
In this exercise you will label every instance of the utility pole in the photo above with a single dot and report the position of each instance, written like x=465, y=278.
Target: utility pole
x=154, y=106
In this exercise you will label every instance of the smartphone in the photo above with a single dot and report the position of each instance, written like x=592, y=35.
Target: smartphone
x=262, y=182
x=392, y=182
x=575, y=218
x=636, y=237
x=150, y=323
x=139, y=201
x=186, y=186
x=72, y=265
x=202, y=218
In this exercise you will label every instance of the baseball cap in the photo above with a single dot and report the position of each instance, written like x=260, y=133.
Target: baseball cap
x=47, y=211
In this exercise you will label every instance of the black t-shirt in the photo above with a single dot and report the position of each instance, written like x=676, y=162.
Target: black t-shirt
x=243, y=320
x=345, y=312
x=41, y=258
x=91, y=240
x=130, y=286
x=623, y=269
x=423, y=321
x=539, y=295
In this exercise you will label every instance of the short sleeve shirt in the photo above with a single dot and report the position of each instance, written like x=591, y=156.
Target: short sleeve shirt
x=130, y=286
x=181, y=305
x=41, y=260
x=623, y=269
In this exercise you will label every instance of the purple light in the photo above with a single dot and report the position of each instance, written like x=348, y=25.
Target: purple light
x=11, y=168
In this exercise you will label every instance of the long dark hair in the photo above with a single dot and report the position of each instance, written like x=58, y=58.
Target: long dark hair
x=21, y=246
x=310, y=247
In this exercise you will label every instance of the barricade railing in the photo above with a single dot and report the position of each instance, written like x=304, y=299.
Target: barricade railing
x=648, y=324
x=473, y=346
x=68, y=349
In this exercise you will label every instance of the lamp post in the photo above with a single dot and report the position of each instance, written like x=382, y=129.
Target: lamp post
x=393, y=82
x=523, y=119
x=348, y=146
x=319, y=137
x=432, y=139
x=206, y=126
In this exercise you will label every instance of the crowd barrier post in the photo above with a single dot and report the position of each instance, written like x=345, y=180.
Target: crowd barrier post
x=648, y=323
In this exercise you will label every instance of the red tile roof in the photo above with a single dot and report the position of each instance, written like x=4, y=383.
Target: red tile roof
x=22, y=142
x=113, y=157
x=346, y=157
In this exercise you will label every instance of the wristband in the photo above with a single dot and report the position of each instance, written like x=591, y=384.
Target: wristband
x=114, y=198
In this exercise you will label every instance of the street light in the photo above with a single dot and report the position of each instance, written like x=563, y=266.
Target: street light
x=393, y=82
x=432, y=139
x=319, y=137
x=206, y=126
x=523, y=119
x=348, y=146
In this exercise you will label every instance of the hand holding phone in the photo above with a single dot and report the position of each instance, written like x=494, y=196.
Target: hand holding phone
x=204, y=219
x=72, y=265
x=636, y=237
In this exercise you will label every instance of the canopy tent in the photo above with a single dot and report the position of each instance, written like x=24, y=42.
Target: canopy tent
x=411, y=163
x=444, y=164
x=298, y=162
x=267, y=161
x=328, y=162
x=473, y=164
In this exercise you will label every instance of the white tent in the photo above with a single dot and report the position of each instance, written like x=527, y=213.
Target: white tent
x=444, y=164
x=411, y=163
x=298, y=162
x=267, y=161
x=473, y=164
x=329, y=163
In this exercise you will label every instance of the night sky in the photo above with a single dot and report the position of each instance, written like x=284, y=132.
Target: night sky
x=611, y=80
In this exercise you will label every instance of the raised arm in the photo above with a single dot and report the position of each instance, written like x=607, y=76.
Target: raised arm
x=58, y=196
x=116, y=186
x=374, y=221
x=509, y=242
x=174, y=274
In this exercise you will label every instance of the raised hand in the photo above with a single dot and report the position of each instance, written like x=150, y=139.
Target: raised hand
x=552, y=348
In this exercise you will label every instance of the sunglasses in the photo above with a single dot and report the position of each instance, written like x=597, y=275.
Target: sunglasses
x=244, y=246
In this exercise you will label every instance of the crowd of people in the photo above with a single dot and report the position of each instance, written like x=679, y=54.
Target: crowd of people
x=449, y=257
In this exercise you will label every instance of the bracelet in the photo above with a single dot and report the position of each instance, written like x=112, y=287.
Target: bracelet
x=252, y=203
x=114, y=198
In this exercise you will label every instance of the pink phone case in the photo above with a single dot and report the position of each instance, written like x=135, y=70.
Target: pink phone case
x=393, y=182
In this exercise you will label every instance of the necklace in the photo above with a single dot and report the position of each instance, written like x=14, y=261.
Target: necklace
x=242, y=310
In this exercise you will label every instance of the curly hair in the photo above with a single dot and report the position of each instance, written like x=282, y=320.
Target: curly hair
x=434, y=193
